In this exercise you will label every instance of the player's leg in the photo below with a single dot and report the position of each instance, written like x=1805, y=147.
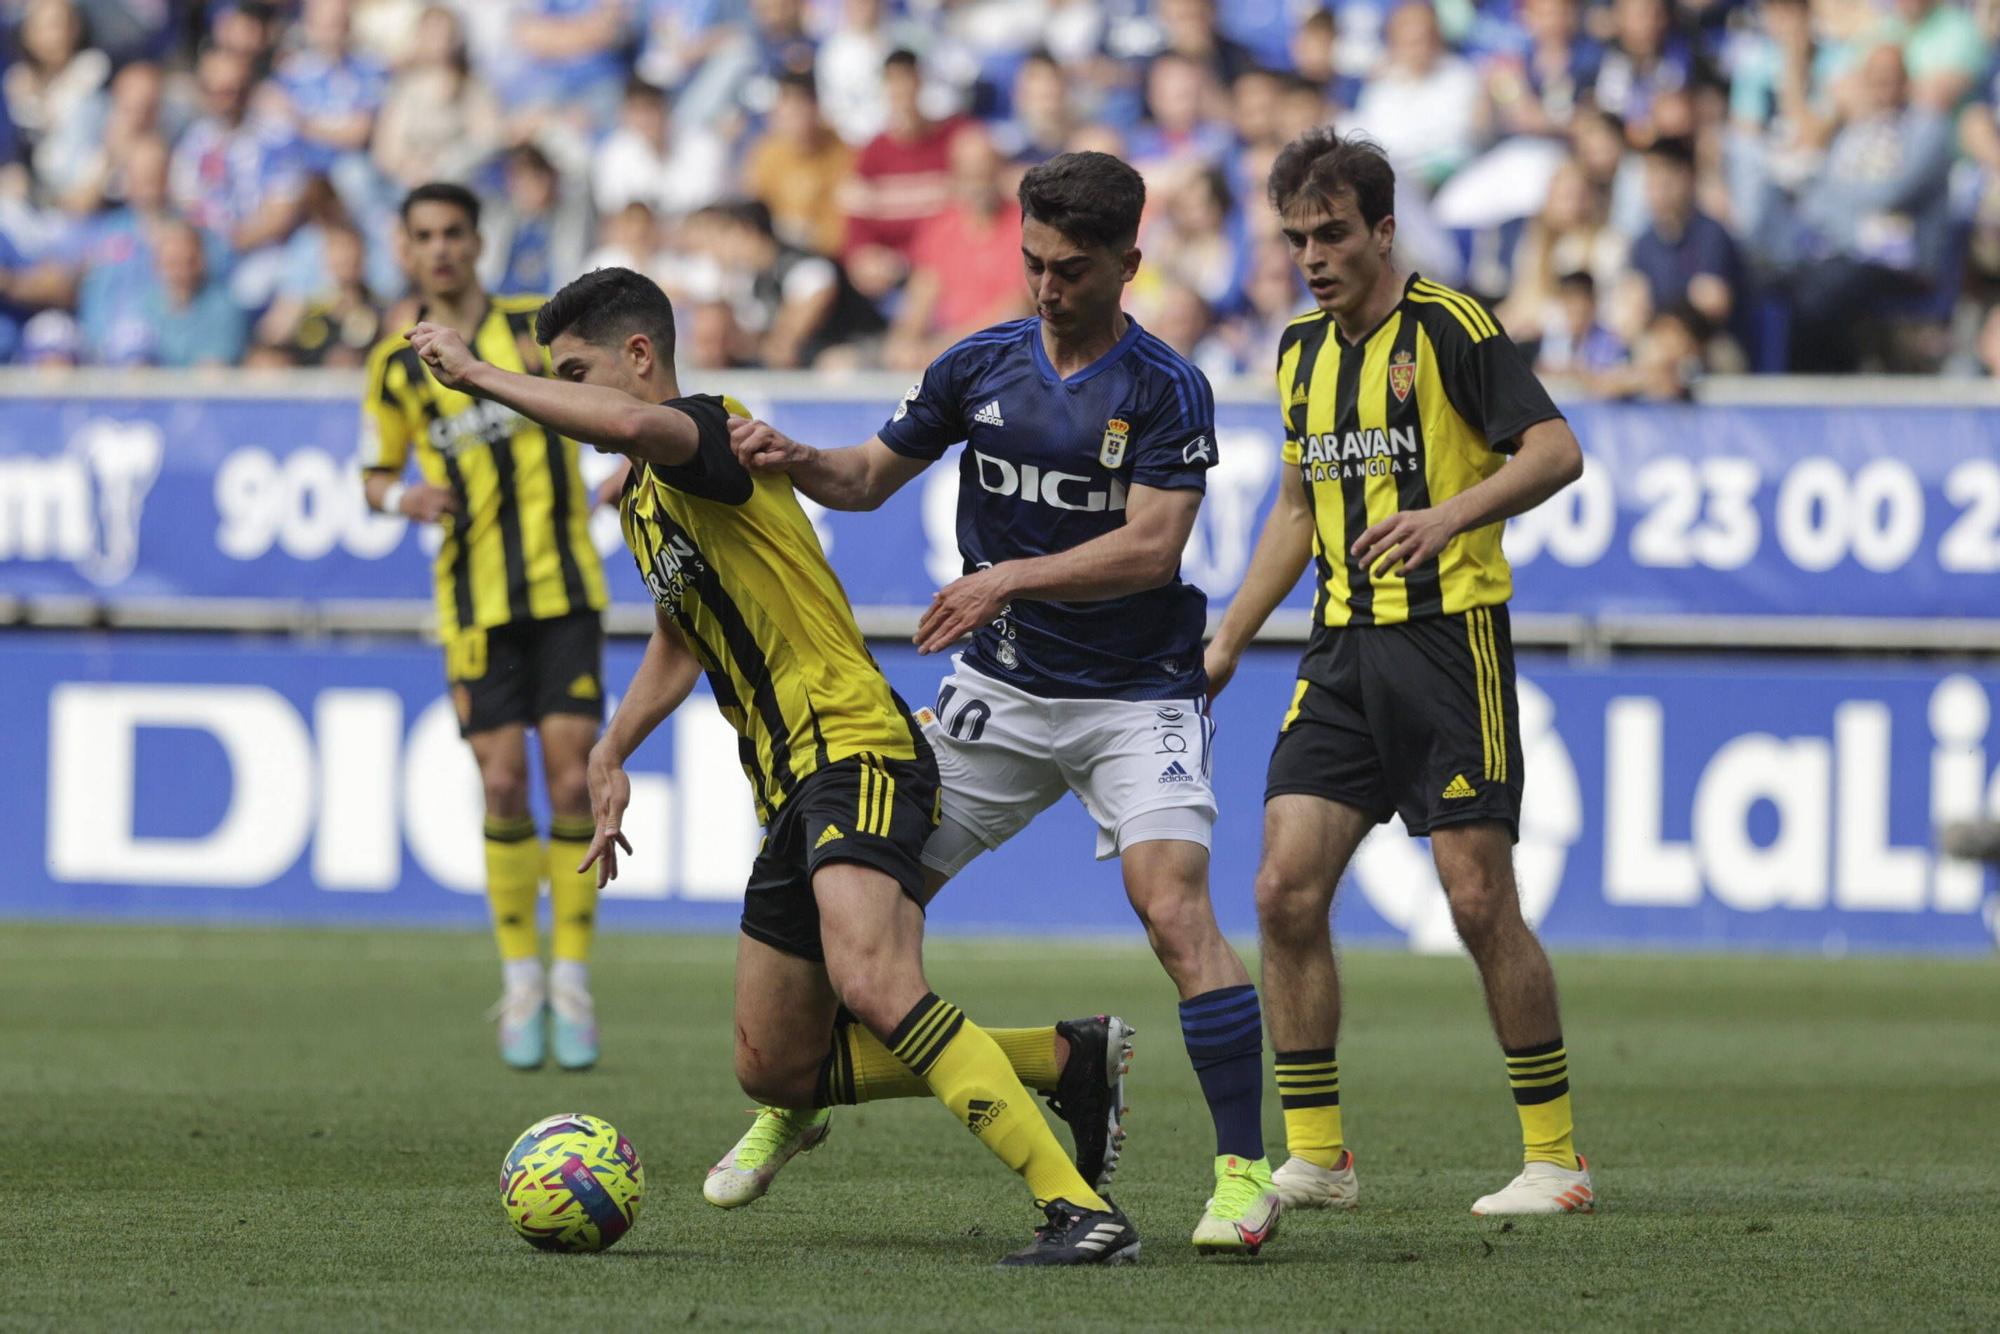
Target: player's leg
x=513, y=884
x=568, y=657
x=1323, y=790
x=1308, y=841
x=873, y=935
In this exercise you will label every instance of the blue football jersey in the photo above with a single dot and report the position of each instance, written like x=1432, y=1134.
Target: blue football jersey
x=1047, y=466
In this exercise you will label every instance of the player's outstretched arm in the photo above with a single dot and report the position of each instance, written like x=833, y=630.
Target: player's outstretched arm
x=665, y=676
x=609, y=419
x=859, y=477
x=1283, y=549
x=1142, y=554
x=1548, y=460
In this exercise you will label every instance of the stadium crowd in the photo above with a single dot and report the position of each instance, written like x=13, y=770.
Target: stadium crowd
x=1646, y=190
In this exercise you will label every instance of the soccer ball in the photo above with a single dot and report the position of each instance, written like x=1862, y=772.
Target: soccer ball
x=572, y=1183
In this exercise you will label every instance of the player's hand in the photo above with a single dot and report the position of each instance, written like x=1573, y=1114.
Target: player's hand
x=449, y=359
x=1220, y=664
x=427, y=504
x=610, y=794
x=1402, y=542
x=761, y=447
x=962, y=606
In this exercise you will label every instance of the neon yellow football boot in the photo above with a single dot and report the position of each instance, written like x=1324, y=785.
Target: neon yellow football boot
x=774, y=1139
x=1243, y=1213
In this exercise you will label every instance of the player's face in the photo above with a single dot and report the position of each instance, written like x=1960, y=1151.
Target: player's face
x=1339, y=255
x=1074, y=286
x=441, y=248
x=615, y=367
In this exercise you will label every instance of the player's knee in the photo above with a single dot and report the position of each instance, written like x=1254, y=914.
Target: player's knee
x=1483, y=907
x=1290, y=903
x=773, y=1082
x=506, y=790
x=569, y=791
x=1179, y=923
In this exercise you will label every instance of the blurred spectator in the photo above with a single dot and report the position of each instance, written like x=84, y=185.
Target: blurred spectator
x=336, y=324
x=794, y=304
x=129, y=30
x=680, y=40
x=1182, y=320
x=247, y=28
x=1666, y=361
x=82, y=164
x=28, y=283
x=58, y=75
x=1316, y=60
x=627, y=239
x=1989, y=344
x=566, y=58
x=191, y=319
x=1193, y=240
x=1684, y=256
x=535, y=241
x=1944, y=51
x=714, y=341
x=238, y=177
x=1188, y=29
x=1597, y=138
x=1273, y=298
x=901, y=178
x=118, y=256
x=333, y=93
x=1781, y=117
x=1571, y=234
x=1043, y=119
x=1646, y=59
x=648, y=159
x=848, y=69
x=797, y=167
x=440, y=121
x=1422, y=106
x=1180, y=135
x=1538, y=91
x=1876, y=217
x=965, y=263
x=1575, y=342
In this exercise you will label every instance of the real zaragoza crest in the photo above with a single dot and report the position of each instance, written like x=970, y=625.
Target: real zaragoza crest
x=1402, y=375
x=1112, y=452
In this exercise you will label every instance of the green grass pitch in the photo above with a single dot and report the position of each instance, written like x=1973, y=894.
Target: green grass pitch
x=290, y=1130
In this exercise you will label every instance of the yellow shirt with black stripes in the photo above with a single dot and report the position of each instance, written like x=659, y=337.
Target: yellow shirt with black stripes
x=519, y=548
x=1423, y=406
x=731, y=556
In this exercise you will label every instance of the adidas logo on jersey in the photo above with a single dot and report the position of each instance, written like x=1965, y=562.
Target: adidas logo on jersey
x=1458, y=789
x=981, y=1113
x=1174, y=773
x=830, y=834
x=990, y=414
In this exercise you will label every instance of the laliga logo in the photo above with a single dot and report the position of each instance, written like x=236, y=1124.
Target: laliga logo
x=1400, y=881
x=83, y=505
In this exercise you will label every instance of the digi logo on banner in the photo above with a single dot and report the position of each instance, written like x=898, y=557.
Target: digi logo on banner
x=354, y=788
x=81, y=506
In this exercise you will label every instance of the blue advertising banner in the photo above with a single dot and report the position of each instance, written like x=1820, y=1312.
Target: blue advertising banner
x=1722, y=804
x=1682, y=510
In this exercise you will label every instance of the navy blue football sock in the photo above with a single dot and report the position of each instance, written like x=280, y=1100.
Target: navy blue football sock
x=1224, y=1030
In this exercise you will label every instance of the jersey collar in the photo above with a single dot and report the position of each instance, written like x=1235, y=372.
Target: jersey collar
x=1102, y=364
x=1362, y=341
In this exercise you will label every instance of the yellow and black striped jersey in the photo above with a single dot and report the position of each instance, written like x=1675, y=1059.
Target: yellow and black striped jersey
x=519, y=548
x=1419, y=409
x=733, y=559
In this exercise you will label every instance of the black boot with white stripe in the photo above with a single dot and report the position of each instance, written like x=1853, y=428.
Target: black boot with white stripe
x=1075, y=1236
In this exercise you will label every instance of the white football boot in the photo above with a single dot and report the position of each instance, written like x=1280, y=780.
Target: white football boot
x=1307, y=1185
x=1542, y=1188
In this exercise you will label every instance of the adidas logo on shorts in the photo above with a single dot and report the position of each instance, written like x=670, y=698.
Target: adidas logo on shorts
x=990, y=414
x=1174, y=773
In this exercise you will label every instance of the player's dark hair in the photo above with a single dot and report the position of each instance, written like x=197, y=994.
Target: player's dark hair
x=1091, y=198
x=605, y=307
x=443, y=192
x=1321, y=165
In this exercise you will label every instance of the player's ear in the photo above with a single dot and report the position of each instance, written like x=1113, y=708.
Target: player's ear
x=1385, y=235
x=1128, y=264
x=639, y=352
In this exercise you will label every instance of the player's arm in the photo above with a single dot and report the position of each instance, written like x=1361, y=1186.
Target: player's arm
x=608, y=419
x=858, y=477
x=1143, y=553
x=1283, y=549
x=665, y=677
x=385, y=448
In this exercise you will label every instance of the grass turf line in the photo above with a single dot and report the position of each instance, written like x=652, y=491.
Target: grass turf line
x=268, y=1129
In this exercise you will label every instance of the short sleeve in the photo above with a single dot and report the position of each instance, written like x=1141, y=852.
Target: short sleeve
x=385, y=427
x=930, y=419
x=1488, y=379
x=713, y=473
x=1173, y=445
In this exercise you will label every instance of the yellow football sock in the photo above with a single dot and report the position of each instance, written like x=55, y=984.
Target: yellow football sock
x=572, y=893
x=1309, y=1092
x=1539, y=1076
x=513, y=881
x=968, y=1073
x=860, y=1069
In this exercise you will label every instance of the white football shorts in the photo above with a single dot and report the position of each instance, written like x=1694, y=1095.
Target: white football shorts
x=1140, y=767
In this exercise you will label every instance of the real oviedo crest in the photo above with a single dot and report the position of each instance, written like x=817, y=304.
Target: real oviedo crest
x=1112, y=452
